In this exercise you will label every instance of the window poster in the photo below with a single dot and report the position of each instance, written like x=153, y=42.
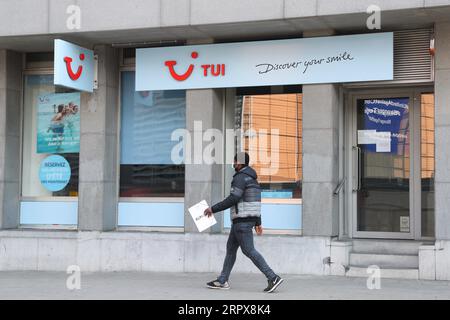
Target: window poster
x=55, y=173
x=58, y=123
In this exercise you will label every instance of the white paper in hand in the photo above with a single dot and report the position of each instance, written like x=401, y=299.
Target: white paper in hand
x=201, y=221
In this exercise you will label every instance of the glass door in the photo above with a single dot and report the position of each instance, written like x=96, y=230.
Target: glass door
x=383, y=152
x=390, y=164
x=382, y=166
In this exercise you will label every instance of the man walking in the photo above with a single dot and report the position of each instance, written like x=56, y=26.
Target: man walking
x=245, y=203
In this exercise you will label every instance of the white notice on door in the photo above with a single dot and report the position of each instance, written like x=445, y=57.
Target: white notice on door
x=404, y=224
x=366, y=136
x=383, y=142
x=201, y=221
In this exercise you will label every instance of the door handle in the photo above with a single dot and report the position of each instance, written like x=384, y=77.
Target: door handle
x=358, y=162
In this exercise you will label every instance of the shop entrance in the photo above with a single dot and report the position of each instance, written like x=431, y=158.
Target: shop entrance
x=390, y=167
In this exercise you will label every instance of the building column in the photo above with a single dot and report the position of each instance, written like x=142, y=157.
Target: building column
x=10, y=111
x=98, y=195
x=204, y=110
x=320, y=160
x=442, y=133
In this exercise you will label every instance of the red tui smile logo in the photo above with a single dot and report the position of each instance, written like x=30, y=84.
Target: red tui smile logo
x=172, y=63
x=214, y=70
x=74, y=75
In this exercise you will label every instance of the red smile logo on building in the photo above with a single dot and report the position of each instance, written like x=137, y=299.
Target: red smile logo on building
x=74, y=75
x=172, y=63
x=216, y=70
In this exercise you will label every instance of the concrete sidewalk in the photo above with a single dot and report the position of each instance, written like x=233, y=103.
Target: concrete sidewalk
x=191, y=286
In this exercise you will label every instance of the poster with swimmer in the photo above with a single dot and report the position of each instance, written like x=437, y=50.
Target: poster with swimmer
x=58, y=123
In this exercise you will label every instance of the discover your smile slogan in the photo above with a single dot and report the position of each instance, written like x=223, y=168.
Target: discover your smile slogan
x=336, y=59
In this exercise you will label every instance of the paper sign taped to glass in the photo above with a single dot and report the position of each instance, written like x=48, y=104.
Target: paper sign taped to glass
x=382, y=140
x=201, y=221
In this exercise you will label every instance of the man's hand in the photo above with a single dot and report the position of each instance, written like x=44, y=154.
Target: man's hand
x=259, y=230
x=208, y=212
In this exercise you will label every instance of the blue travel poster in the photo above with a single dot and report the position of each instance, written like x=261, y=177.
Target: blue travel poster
x=58, y=123
x=388, y=116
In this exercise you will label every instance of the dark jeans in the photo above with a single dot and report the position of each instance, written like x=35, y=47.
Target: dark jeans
x=241, y=235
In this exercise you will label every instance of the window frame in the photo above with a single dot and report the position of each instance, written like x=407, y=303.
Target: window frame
x=127, y=67
x=229, y=106
x=31, y=70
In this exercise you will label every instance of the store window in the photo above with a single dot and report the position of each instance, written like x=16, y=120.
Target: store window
x=51, y=139
x=50, y=154
x=148, y=119
x=271, y=127
x=267, y=123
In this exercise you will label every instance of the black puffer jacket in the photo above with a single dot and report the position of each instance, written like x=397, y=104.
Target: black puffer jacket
x=244, y=199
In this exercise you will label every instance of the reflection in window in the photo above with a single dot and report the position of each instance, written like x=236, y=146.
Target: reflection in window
x=148, y=119
x=271, y=132
x=427, y=163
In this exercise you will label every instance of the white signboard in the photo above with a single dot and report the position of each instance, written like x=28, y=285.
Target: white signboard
x=74, y=66
x=336, y=59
